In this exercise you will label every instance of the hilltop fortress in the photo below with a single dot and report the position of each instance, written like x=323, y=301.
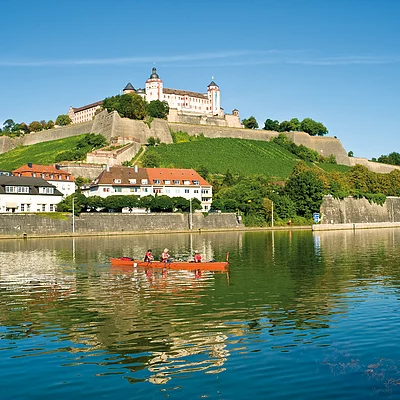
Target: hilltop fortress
x=191, y=112
x=185, y=106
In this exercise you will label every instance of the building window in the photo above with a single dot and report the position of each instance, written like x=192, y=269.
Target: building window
x=46, y=190
x=177, y=182
x=186, y=182
x=196, y=191
x=43, y=207
x=157, y=181
x=52, y=207
x=17, y=189
x=132, y=180
x=157, y=190
x=22, y=207
x=144, y=181
x=204, y=191
x=117, y=190
x=196, y=182
x=167, y=182
x=117, y=180
x=186, y=190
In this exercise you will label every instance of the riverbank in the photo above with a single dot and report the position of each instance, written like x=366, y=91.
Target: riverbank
x=370, y=225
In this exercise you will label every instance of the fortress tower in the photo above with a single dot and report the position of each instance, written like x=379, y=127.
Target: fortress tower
x=154, y=87
x=214, y=96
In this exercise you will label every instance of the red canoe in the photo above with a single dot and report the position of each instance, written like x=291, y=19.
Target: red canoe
x=186, y=265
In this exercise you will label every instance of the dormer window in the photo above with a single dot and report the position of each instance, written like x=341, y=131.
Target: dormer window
x=117, y=180
x=144, y=181
x=196, y=182
x=156, y=181
x=177, y=182
x=132, y=180
x=167, y=182
x=186, y=182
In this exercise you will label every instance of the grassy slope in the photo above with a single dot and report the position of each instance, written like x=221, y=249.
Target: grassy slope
x=249, y=157
x=41, y=153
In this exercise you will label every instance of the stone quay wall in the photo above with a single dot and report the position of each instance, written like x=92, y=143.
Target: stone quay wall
x=353, y=211
x=34, y=225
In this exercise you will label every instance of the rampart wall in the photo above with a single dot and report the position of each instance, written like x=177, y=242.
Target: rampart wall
x=373, y=166
x=19, y=225
x=350, y=210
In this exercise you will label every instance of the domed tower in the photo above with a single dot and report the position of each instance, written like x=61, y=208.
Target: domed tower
x=214, y=96
x=154, y=86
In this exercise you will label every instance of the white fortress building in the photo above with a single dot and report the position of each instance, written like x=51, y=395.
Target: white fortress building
x=181, y=103
x=182, y=100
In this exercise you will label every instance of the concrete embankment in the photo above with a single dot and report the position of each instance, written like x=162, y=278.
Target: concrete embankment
x=40, y=225
x=372, y=225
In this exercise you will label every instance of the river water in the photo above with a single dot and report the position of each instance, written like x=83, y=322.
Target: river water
x=299, y=315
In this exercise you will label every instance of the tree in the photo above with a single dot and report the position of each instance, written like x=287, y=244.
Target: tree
x=8, y=125
x=306, y=190
x=152, y=141
x=115, y=202
x=285, y=126
x=146, y=202
x=35, y=126
x=270, y=125
x=162, y=203
x=250, y=123
x=94, y=203
x=313, y=128
x=392, y=158
x=151, y=160
x=295, y=125
x=63, y=120
x=158, y=109
x=129, y=105
x=181, y=204
x=350, y=153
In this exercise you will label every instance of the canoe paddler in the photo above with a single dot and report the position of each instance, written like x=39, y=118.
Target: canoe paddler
x=165, y=255
x=197, y=256
x=148, y=257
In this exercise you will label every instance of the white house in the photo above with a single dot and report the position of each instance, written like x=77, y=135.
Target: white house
x=26, y=194
x=142, y=182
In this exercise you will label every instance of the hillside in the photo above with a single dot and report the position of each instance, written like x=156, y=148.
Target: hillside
x=247, y=157
x=44, y=153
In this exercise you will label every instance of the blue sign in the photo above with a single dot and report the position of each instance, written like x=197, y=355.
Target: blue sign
x=316, y=217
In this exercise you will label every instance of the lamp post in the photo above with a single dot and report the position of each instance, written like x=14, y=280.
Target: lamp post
x=73, y=215
x=272, y=213
x=190, y=214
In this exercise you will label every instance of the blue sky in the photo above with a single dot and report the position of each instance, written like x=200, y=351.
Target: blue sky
x=335, y=61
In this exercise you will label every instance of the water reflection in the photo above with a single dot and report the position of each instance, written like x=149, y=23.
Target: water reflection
x=287, y=293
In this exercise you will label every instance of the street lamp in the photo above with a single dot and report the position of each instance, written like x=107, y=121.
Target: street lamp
x=190, y=214
x=272, y=213
x=73, y=215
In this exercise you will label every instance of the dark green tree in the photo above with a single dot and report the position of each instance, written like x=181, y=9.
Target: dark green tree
x=94, y=203
x=181, y=204
x=313, y=128
x=271, y=125
x=158, y=109
x=146, y=202
x=306, y=190
x=35, y=126
x=295, y=125
x=115, y=203
x=285, y=126
x=129, y=105
x=250, y=123
x=162, y=203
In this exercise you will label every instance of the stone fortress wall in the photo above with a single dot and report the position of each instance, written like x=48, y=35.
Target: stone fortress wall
x=111, y=125
x=355, y=211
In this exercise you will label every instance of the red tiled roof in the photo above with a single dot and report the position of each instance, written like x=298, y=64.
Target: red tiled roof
x=26, y=170
x=175, y=174
x=108, y=176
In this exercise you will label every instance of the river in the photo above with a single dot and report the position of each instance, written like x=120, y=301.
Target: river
x=298, y=315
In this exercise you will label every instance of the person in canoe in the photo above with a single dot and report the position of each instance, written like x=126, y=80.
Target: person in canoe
x=165, y=255
x=197, y=256
x=148, y=257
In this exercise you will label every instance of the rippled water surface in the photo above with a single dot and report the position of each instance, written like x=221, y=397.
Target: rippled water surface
x=298, y=316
